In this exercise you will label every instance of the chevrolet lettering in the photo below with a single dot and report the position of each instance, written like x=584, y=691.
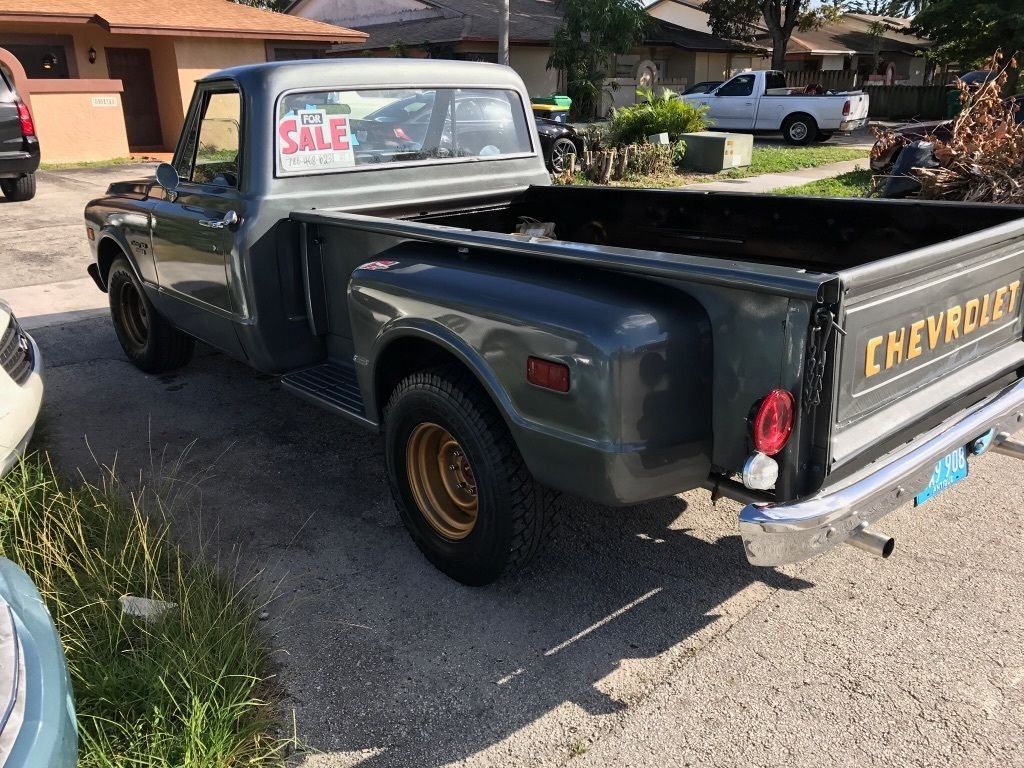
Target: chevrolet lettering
x=939, y=330
x=360, y=229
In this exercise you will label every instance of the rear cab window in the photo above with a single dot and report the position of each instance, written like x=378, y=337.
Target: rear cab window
x=340, y=130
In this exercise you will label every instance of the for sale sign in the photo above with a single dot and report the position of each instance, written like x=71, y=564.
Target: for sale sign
x=312, y=141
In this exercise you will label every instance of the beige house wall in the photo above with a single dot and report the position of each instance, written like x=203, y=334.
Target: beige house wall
x=531, y=64
x=196, y=57
x=87, y=133
x=78, y=126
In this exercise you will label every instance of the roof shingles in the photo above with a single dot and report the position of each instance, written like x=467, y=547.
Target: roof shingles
x=211, y=18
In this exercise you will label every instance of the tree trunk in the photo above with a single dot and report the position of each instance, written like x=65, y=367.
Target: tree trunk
x=779, y=43
x=1012, y=79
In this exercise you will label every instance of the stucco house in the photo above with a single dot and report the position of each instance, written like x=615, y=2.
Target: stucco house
x=468, y=29
x=106, y=78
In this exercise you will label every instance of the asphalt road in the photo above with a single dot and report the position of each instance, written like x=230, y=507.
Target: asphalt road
x=641, y=638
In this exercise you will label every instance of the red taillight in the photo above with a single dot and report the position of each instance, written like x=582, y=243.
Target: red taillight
x=846, y=108
x=773, y=423
x=27, y=127
x=547, y=374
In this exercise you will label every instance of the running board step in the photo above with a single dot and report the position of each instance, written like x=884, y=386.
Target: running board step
x=330, y=385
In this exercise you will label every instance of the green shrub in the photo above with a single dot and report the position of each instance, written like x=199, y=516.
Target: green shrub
x=666, y=113
x=678, y=153
x=648, y=159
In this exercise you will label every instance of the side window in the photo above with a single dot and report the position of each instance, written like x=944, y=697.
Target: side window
x=741, y=85
x=210, y=154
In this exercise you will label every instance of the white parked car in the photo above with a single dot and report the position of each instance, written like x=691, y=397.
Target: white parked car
x=21, y=388
x=760, y=101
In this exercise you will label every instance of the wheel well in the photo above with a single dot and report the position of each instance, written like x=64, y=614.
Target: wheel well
x=106, y=253
x=795, y=115
x=404, y=357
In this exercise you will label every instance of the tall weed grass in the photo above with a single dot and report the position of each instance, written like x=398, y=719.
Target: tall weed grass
x=188, y=689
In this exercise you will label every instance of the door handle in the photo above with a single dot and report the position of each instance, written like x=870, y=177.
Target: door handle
x=229, y=220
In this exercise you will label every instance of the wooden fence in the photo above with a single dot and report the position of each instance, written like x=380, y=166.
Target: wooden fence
x=830, y=80
x=907, y=102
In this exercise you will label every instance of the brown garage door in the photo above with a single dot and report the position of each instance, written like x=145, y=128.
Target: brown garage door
x=132, y=66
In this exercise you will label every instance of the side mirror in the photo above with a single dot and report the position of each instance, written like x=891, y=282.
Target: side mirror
x=167, y=177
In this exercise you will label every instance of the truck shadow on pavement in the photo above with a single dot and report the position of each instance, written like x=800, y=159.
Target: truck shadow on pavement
x=386, y=661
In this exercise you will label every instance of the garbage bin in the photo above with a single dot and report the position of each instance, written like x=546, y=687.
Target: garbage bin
x=953, y=104
x=553, y=107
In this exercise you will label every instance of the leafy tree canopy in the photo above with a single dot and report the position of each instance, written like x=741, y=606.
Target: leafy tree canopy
x=268, y=5
x=591, y=32
x=748, y=19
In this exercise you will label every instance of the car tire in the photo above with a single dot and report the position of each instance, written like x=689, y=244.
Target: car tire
x=561, y=151
x=823, y=136
x=460, y=484
x=151, y=343
x=799, y=130
x=19, y=190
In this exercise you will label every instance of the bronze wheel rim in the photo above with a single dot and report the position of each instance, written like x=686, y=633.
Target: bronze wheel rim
x=442, y=481
x=133, y=314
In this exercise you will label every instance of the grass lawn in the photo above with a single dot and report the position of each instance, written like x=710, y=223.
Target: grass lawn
x=763, y=160
x=186, y=689
x=93, y=163
x=853, y=184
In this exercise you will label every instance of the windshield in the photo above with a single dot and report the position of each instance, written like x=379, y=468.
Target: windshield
x=329, y=131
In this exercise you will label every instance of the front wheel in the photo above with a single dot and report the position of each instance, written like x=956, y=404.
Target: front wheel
x=562, y=152
x=460, y=484
x=147, y=338
x=799, y=130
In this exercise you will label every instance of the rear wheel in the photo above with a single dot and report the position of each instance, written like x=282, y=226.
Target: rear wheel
x=150, y=342
x=461, y=487
x=562, y=152
x=20, y=189
x=799, y=130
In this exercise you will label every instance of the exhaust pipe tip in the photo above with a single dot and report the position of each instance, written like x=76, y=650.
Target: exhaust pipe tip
x=872, y=542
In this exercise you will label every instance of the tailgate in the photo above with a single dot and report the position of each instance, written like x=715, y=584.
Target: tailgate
x=927, y=333
x=859, y=106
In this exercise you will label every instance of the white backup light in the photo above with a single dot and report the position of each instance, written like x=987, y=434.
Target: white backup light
x=760, y=472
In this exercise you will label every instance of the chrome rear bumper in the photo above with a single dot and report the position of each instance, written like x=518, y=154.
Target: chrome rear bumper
x=775, y=534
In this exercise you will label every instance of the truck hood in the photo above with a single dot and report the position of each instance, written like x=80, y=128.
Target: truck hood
x=133, y=187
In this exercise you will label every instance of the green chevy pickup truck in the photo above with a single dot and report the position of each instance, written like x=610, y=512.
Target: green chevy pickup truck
x=411, y=268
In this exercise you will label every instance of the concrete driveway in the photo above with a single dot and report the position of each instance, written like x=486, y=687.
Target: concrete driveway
x=641, y=638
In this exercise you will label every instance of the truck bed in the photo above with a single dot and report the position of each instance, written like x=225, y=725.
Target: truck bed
x=814, y=234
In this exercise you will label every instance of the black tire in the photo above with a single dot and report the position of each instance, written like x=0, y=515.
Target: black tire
x=561, y=150
x=823, y=136
x=151, y=343
x=20, y=189
x=515, y=513
x=799, y=130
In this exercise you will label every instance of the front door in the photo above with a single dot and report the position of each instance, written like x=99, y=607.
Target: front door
x=195, y=227
x=733, y=104
x=132, y=66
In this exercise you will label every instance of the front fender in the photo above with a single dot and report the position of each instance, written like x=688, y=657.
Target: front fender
x=636, y=423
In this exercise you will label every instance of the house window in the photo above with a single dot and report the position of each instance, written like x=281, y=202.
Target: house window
x=296, y=54
x=49, y=61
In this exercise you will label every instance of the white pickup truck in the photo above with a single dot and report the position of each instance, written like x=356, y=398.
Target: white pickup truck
x=761, y=101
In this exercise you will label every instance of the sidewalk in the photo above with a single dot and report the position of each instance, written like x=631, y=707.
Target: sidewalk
x=772, y=181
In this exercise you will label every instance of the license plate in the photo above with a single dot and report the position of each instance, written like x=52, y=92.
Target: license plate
x=950, y=470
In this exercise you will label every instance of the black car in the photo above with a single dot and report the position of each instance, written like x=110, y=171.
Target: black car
x=705, y=87
x=559, y=142
x=19, y=147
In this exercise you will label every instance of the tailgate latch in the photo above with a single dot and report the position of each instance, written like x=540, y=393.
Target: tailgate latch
x=823, y=324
